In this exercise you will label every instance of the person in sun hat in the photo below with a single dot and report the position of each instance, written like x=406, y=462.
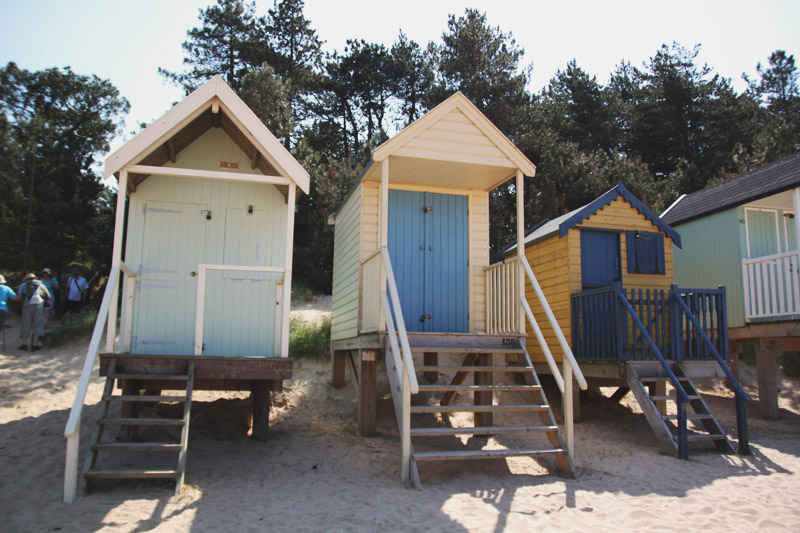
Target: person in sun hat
x=6, y=292
x=52, y=286
x=34, y=295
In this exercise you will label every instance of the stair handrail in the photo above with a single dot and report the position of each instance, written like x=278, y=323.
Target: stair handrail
x=408, y=362
x=72, y=429
x=569, y=358
x=682, y=397
x=741, y=395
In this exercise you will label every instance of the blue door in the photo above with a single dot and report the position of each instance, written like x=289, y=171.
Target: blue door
x=428, y=248
x=600, y=259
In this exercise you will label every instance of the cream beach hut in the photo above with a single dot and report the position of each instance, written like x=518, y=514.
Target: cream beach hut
x=412, y=280
x=206, y=206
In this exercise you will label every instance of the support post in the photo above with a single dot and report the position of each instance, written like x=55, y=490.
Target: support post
x=483, y=397
x=735, y=350
x=129, y=409
x=339, y=363
x=659, y=388
x=261, y=402
x=287, y=279
x=431, y=359
x=520, y=188
x=116, y=257
x=367, y=393
x=566, y=399
x=767, y=367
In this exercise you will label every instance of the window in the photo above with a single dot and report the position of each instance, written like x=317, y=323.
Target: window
x=645, y=252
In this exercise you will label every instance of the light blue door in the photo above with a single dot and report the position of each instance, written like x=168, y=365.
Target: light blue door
x=428, y=246
x=600, y=259
x=173, y=245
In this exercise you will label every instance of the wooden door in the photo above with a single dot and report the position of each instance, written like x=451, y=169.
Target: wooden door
x=600, y=259
x=173, y=245
x=428, y=246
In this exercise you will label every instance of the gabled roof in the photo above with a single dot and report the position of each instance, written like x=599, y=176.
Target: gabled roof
x=213, y=104
x=560, y=226
x=777, y=177
x=461, y=103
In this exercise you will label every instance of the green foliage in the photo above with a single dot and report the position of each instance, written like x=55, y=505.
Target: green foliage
x=54, y=122
x=309, y=340
x=80, y=325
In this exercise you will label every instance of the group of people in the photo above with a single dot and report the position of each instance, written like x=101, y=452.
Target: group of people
x=38, y=297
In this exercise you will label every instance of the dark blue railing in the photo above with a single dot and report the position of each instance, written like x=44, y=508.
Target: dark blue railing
x=656, y=325
x=602, y=329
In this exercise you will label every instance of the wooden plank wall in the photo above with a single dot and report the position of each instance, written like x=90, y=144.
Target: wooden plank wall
x=239, y=308
x=346, y=245
x=557, y=264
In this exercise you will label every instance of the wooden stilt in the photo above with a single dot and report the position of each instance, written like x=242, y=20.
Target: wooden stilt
x=767, y=381
x=619, y=394
x=367, y=393
x=339, y=363
x=129, y=410
x=431, y=359
x=576, y=404
x=261, y=402
x=659, y=388
x=483, y=397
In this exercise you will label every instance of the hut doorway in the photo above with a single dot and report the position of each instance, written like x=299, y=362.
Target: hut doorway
x=175, y=238
x=428, y=245
x=600, y=259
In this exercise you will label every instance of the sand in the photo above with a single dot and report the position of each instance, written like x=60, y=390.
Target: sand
x=316, y=473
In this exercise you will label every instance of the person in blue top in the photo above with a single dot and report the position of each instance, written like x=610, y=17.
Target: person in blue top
x=52, y=286
x=34, y=295
x=6, y=292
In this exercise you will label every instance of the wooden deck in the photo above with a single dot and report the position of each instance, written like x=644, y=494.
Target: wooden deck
x=210, y=372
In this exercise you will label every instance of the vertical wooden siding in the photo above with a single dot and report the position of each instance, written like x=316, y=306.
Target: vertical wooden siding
x=478, y=258
x=346, y=244
x=713, y=248
x=239, y=309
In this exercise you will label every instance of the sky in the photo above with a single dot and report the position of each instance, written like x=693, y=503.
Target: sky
x=126, y=41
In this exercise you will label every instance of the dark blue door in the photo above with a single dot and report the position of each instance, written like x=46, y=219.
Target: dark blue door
x=428, y=248
x=600, y=259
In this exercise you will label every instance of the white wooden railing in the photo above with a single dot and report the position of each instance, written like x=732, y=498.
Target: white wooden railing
x=201, y=302
x=73, y=428
x=772, y=285
x=503, y=294
x=400, y=365
x=502, y=289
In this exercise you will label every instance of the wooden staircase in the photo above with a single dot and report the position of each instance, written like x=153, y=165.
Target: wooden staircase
x=702, y=426
x=130, y=424
x=438, y=441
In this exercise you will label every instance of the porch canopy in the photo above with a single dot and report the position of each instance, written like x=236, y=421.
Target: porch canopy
x=452, y=146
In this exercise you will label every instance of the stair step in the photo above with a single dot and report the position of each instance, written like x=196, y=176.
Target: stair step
x=476, y=388
x=142, y=421
x=173, y=377
x=473, y=368
x=704, y=436
x=138, y=446
x=689, y=416
x=142, y=398
x=132, y=474
x=672, y=397
x=490, y=430
x=483, y=454
x=464, y=349
x=476, y=408
x=661, y=379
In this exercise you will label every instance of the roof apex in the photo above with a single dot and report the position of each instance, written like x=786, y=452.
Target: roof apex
x=199, y=100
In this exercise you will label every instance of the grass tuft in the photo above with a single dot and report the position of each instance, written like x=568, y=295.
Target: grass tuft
x=79, y=326
x=308, y=340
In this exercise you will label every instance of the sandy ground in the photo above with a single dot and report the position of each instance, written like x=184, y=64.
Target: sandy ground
x=316, y=474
